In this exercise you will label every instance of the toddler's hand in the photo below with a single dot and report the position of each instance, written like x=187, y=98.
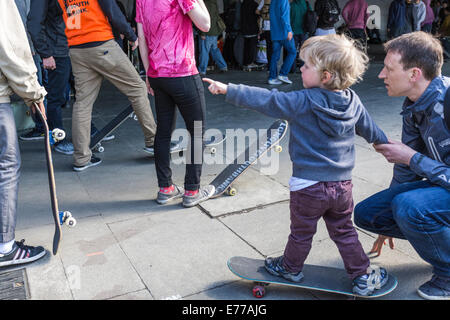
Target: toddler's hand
x=216, y=87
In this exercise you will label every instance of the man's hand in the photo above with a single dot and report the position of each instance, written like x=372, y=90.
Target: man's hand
x=378, y=244
x=216, y=87
x=134, y=44
x=290, y=35
x=396, y=152
x=49, y=63
x=41, y=107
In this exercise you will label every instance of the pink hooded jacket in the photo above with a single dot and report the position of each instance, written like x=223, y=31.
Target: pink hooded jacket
x=355, y=14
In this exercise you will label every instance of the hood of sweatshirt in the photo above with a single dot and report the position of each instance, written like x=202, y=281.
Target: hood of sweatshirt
x=336, y=111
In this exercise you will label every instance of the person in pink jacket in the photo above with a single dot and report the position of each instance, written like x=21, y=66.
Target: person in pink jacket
x=427, y=24
x=355, y=16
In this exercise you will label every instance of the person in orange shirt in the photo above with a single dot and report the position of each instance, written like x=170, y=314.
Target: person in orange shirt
x=96, y=55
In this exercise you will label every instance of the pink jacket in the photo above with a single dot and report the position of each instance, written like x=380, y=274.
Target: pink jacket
x=355, y=14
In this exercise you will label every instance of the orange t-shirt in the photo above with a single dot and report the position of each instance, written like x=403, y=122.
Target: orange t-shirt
x=85, y=22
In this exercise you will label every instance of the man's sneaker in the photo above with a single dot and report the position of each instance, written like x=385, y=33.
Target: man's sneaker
x=32, y=135
x=366, y=284
x=285, y=79
x=93, y=162
x=435, y=289
x=203, y=194
x=64, y=147
x=274, y=81
x=21, y=253
x=275, y=267
x=164, y=197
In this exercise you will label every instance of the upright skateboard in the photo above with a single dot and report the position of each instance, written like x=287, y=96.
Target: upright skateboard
x=318, y=278
x=96, y=141
x=59, y=217
x=223, y=182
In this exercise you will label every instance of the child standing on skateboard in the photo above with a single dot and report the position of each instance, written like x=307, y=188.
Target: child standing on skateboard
x=324, y=118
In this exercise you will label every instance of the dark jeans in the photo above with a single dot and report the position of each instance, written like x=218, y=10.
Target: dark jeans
x=334, y=202
x=188, y=94
x=56, y=91
x=416, y=211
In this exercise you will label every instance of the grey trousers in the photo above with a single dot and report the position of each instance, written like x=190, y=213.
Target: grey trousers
x=9, y=173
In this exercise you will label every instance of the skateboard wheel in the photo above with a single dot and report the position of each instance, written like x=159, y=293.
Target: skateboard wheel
x=231, y=191
x=71, y=222
x=58, y=134
x=278, y=149
x=213, y=150
x=100, y=149
x=259, y=291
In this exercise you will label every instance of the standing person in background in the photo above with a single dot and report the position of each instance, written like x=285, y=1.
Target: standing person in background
x=282, y=37
x=396, y=25
x=249, y=30
x=298, y=11
x=173, y=78
x=265, y=28
x=208, y=40
x=355, y=16
x=427, y=24
x=328, y=12
x=46, y=28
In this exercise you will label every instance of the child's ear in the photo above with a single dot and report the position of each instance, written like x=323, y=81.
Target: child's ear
x=326, y=77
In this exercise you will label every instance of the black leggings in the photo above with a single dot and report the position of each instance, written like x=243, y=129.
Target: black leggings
x=188, y=94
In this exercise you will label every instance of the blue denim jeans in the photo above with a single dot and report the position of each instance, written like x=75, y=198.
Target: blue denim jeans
x=207, y=46
x=289, y=45
x=416, y=211
x=9, y=173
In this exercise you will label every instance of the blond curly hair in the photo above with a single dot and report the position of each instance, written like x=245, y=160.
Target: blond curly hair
x=338, y=55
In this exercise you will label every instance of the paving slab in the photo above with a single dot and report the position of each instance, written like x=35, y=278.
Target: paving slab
x=181, y=253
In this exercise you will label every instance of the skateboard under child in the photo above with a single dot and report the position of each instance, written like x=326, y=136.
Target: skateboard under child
x=319, y=278
x=59, y=217
x=223, y=182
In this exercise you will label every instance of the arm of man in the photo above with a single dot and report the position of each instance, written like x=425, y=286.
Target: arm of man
x=117, y=19
x=36, y=29
x=17, y=64
x=286, y=19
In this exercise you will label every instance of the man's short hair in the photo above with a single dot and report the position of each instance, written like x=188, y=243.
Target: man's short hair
x=418, y=50
x=338, y=55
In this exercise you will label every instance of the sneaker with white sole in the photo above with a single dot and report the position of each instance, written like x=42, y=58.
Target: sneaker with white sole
x=366, y=284
x=64, y=147
x=285, y=79
x=165, y=197
x=21, y=253
x=93, y=162
x=274, y=81
x=435, y=289
x=275, y=266
x=33, y=135
x=151, y=149
x=203, y=194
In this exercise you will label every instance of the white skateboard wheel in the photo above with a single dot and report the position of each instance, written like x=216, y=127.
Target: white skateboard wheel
x=213, y=150
x=71, y=222
x=231, y=191
x=100, y=149
x=278, y=149
x=58, y=134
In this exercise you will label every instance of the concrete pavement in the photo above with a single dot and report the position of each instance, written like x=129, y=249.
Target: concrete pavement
x=126, y=246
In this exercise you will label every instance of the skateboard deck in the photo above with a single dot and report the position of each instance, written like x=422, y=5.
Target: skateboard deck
x=110, y=127
x=210, y=145
x=318, y=278
x=224, y=180
x=59, y=217
x=251, y=68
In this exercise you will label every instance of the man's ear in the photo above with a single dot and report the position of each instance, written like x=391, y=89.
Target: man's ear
x=416, y=74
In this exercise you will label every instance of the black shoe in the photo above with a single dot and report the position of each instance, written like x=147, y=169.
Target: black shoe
x=33, y=135
x=93, y=162
x=21, y=253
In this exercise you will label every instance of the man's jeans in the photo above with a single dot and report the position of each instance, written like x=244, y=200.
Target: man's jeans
x=276, y=52
x=56, y=88
x=9, y=173
x=209, y=45
x=418, y=212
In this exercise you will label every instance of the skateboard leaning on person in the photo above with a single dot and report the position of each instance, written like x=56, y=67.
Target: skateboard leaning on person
x=323, y=118
x=17, y=74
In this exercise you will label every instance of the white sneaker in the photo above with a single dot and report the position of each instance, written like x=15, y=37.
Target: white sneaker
x=274, y=81
x=285, y=79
